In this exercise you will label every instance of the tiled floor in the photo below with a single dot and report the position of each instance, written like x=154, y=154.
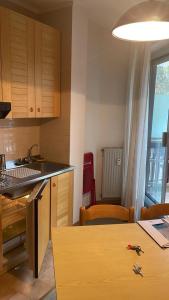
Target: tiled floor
x=19, y=284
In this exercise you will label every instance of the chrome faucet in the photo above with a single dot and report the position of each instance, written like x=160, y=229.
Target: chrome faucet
x=29, y=156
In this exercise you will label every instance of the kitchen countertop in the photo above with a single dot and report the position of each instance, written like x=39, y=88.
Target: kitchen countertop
x=47, y=170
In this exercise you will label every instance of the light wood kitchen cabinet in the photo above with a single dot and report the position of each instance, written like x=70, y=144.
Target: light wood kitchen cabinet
x=12, y=232
x=43, y=225
x=30, y=64
x=17, y=59
x=62, y=199
x=1, y=250
x=47, y=71
x=25, y=229
x=38, y=226
x=25, y=222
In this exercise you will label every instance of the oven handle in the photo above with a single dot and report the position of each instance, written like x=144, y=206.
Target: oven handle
x=36, y=193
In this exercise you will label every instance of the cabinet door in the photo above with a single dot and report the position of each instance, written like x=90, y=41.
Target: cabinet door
x=43, y=222
x=47, y=71
x=62, y=199
x=1, y=96
x=17, y=58
x=38, y=227
x=1, y=252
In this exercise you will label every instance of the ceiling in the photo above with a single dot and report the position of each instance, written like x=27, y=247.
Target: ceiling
x=40, y=6
x=104, y=12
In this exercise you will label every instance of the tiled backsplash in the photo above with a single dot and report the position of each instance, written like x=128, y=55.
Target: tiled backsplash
x=17, y=136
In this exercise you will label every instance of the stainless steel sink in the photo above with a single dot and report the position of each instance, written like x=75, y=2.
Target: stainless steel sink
x=45, y=167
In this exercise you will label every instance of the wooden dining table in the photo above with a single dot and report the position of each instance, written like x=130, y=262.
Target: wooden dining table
x=93, y=263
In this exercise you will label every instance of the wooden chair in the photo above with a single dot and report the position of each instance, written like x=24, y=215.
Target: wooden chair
x=155, y=211
x=106, y=211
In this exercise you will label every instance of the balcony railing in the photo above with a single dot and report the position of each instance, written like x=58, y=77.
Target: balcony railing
x=155, y=170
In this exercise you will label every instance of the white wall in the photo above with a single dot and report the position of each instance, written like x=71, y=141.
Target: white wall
x=78, y=101
x=107, y=71
x=98, y=89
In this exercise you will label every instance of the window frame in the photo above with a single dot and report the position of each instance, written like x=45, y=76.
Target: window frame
x=152, y=84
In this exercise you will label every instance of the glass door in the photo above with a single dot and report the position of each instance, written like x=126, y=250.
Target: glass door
x=157, y=157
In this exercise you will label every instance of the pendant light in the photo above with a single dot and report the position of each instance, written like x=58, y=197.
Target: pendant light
x=147, y=21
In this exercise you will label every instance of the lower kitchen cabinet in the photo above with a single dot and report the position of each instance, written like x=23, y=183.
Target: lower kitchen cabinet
x=25, y=223
x=43, y=225
x=12, y=232
x=62, y=199
x=25, y=228
x=38, y=226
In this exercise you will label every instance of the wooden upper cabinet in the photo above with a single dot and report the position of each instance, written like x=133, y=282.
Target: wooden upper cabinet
x=30, y=64
x=47, y=71
x=17, y=59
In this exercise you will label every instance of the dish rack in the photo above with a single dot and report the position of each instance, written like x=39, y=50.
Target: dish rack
x=12, y=229
x=13, y=218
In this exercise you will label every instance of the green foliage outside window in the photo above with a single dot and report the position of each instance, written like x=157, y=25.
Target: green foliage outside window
x=162, y=80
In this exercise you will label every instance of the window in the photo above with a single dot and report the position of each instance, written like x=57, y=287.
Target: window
x=157, y=155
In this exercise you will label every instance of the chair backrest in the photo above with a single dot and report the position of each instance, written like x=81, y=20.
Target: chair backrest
x=106, y=211
x=154, y=211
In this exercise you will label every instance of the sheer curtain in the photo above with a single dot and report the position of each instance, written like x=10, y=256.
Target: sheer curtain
x=136, y=128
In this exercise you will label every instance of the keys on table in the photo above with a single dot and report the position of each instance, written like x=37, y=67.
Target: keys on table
x=138, y=270
x=135, y=248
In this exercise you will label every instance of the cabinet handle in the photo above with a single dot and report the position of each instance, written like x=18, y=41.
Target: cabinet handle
x=31, y=109
x=54, y=184
x=38, y=109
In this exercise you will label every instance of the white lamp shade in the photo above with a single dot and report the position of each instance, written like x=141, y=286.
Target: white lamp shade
x=147, y=21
